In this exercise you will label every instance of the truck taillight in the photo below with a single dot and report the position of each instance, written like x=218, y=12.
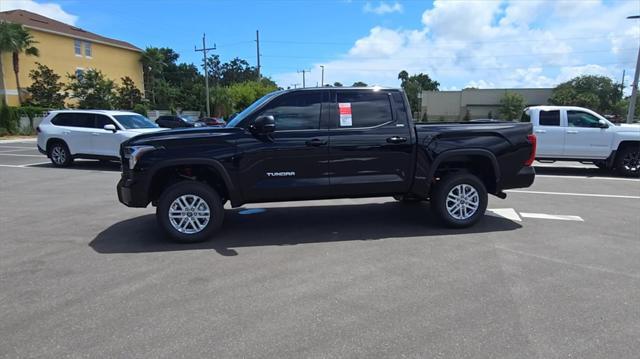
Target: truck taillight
x=534, y=143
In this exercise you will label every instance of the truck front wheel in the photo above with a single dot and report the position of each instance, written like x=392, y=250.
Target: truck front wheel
x=190, y=211
x=628, y=161
x=459, y=200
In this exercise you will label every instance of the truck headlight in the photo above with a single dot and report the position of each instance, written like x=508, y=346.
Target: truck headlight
x=134, y=153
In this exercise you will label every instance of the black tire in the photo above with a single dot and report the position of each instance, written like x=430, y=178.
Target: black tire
x=407, y=199
x=628, y=161
x=59, y=154
x=190, y=188
x=442, y=189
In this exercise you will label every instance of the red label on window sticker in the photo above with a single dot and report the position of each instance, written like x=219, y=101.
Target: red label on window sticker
x=345, y=114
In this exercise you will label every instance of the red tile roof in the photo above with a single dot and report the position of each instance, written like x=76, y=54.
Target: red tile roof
x=39, y=22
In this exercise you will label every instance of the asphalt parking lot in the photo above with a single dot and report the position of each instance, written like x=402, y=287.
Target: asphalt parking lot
x=552, y=271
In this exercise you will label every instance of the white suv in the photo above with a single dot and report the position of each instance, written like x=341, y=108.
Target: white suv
x=569, y=133
x=92, y=134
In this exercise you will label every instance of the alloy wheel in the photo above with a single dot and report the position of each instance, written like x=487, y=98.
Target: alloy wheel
x=58, y=155
x=462, y=201
x=189, y=214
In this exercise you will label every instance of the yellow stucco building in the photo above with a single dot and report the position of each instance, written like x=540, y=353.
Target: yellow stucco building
x=67, y=50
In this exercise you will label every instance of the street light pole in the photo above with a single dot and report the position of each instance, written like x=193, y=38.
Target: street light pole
x=322, y=81
x=634, y=85
x=204, y=50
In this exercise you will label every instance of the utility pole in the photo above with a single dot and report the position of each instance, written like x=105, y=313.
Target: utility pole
x=204, y=50
x=322, y=81
x=634, y=85
x=295, y=86
x=258, y=51
x=304, y=72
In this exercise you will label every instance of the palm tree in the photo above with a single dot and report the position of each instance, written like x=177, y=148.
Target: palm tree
x=403, y=76
x=14, y=38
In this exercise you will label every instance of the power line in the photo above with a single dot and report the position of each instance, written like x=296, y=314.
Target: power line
x=457, y=68
x=457, y=42
x=454, y=56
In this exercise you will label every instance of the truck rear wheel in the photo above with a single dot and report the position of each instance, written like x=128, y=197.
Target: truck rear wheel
x=190, y=211
x=459, y=200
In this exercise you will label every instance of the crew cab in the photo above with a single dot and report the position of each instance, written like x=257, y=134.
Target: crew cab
x=323, y=143
x=91, y=134
x=570, y=133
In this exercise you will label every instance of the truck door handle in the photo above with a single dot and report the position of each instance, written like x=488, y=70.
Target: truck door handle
x=316, y=142
x=396, y=139
x=541, y=131
x=573, y=132
x=95, y=134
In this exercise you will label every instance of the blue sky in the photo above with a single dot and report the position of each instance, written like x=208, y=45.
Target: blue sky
x=483, y=44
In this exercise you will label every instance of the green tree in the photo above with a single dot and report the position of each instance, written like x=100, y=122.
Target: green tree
x=337, y=84
x=45, y=89
x=244, y=94
x=598, y=93
x=15, y=39
x=128, y=94
x=511, y=106
x=359, y=84
x=413, y=85
x=92, y=90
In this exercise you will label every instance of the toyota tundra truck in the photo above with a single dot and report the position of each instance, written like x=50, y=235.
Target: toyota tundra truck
x=323, y=143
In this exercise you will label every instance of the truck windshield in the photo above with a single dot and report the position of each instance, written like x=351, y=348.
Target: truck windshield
x=242, y=115
x=135, y=121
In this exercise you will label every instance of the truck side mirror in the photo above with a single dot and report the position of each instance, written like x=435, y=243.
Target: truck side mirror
x=263, y=125
x=603, y=124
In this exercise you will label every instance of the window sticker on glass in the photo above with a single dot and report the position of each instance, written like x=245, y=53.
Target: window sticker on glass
x=345, y=114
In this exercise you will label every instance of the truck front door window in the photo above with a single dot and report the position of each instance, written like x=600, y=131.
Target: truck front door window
x=296, y=111
x=582, y=119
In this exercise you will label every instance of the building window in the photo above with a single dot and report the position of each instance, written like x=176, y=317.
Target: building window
x=77, y=46
x=87, y=49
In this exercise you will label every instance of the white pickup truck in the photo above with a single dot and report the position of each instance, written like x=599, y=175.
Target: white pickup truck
x=570, y=133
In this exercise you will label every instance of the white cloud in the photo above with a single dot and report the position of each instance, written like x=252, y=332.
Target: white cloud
x=382, y=8
x=51, y=10
x=493, y=44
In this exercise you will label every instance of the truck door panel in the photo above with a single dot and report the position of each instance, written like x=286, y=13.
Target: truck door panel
x=370, y=152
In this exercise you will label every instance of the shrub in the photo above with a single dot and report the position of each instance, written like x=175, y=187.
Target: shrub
x=9, y=119
x=141, y=109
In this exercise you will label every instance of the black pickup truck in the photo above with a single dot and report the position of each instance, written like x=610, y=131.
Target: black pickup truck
x=321, y=143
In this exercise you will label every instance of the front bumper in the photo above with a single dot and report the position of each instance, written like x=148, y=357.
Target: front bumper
x=524, y=178
x=132, y=193
x=42, y=151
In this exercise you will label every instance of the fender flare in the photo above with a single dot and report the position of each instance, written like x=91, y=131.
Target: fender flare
x=234, y=194
x=466, y=152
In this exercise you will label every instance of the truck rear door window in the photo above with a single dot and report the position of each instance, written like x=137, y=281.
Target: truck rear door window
x=549, y=118
x=367, y=109
x=74, y=120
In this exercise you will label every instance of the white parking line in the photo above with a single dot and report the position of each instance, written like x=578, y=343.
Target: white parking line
x=560, y=217
x=26, y=166
x=575, y=194
x=2, y=150
x=590, y=177
x=19, y=155
x=508, y=213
